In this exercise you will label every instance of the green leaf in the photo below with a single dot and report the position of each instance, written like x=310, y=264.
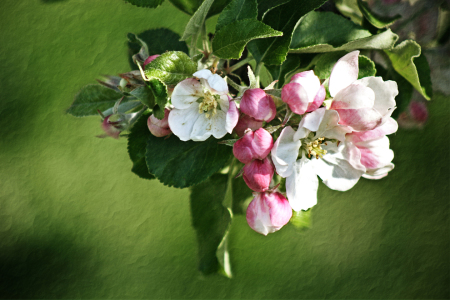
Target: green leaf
x=284, y=18
x=146, y=3
x=124, y=107
x=230, y=41
x=324, y=64
x=301, y=219
x=137, y=141
x=210, y=219
x=265, y=5
x=241, y=194
x=280, y=72
x=191, y=6
x=160, y=94
x=145, y=95
x=409, y=62
x=91, y=98
x=366, y=67
x=194, y=26
x=183, y=164
x=375, y=19
x=171, y=67
x=237, y=10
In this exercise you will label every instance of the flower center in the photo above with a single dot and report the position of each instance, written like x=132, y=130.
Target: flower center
x=314, y=148
x=208, y=104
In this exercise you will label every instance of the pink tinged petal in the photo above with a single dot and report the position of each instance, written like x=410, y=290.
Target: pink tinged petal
x=330, y=128
x=354, y=96
x=150, y=59
x=318, y=99
x=389, y=127
x=158, y=127
x=419, y=111
x=268, y=212
x=186, y=92
x=310, y=82
x=344, y=72
x=378, y=173
x=376, y=153
x=258, y=174
x=385, y=92
x=302, y=185
x=257, y=104
x=285, y=152
x=181, y=121
x=296, y=96
x=109, y=128
x=218, y=84
x=232, y=117
x=310, y=122
x=246, y=122
x=204, y=74
x=360, y=119
x=254, y=145
x=351, y=154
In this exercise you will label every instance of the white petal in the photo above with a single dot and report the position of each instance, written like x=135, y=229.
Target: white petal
x=219, y=124
x=181, y=121
x=311, y=122
x=302, y=185
x=344, y=72
x=378, y=173
x=285, y=152
x=218, y=84
x=385, y=92
x=330, y=128
x=186, y=92
x=355, y=96
x=202, y=128
x=232, y=117
x=205, y=74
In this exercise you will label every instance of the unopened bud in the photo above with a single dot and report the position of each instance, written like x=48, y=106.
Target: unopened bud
x=257, y=104
x=258, y=174
x=253, y=145
x=157, y=127
x=246, y=122
x=150, y=59
x=268, y=212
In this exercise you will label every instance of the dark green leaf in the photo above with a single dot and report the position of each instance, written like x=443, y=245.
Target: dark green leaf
x=146, y=3
x=265, y=5
x=171, y=67
x=409, y=62
x=145, y=95
x=284, y=18
x=375, y=19
x=279, y=73
x=191, y=6
x=230, y=41
x=324, y=64
x=137, y=142
x=210, y=220
x=301, y=219
x=194, y=26
x=91, y=98
x=237, y=10
x=158, y=112
x=183, y=164
x=160, y=94
x=366, y=67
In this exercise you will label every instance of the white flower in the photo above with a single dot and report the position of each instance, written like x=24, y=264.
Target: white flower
x=202, y=108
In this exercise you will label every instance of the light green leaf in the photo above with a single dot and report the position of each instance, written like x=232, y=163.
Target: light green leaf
x=146, y=3
x=124, y=107
x=196, y=22
x=301, y=219
x=91, y=98
x=191, y=6
x=171, y=67
x=375, y=19
x=145, y=95
x=366, y=67
x=284, y=18
x=137, y=141
x=210, y=220
x=237, y=10
x=409, y=62
x=183, y=164
x=160, y=95
x=230, y=41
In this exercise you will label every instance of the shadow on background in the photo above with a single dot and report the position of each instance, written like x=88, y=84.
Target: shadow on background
x=44, y=267
x=52, y=1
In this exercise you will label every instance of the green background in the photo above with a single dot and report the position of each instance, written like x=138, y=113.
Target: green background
x=76, y=223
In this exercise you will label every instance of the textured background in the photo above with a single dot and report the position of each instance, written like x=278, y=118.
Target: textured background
x=76, y=223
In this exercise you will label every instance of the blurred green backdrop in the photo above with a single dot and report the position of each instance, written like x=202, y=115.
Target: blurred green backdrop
x=76, y=223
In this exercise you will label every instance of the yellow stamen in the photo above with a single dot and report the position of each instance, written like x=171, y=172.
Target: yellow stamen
x=314, y=148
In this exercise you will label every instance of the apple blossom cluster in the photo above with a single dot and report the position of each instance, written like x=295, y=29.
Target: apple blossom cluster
x=339, y=139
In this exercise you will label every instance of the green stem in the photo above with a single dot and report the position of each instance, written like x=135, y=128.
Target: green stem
x=240, y=64
x=205, y=39
x=257, y=71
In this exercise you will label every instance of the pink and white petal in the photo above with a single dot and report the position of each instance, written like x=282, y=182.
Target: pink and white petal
x=385, y=92
x=389, y=127
x=310, y=122
x=339, y=177
x=232, y=117
x=218, y=84
x=344, y=72
x=360, y=119
x=186, y=92
x=205, y=74
x=181, y=121
x=378, y=173
x=318, y=99
x=309, y=81
x=285, y=152
x=296, y=96
x=376, y=153
x=203, y=128
x=330, y=128
x=352, y=154
x=354, y=96
x=302, y=185
x=219, y=124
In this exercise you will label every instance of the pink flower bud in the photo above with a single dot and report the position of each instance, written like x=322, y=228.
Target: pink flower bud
x=257, y=104
x=245, y=122
x=418, y=111
x=150, y=59
x=258, y=174
x=253, y=145
x=268, y=212
x=157, y=127
x=111, y=128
